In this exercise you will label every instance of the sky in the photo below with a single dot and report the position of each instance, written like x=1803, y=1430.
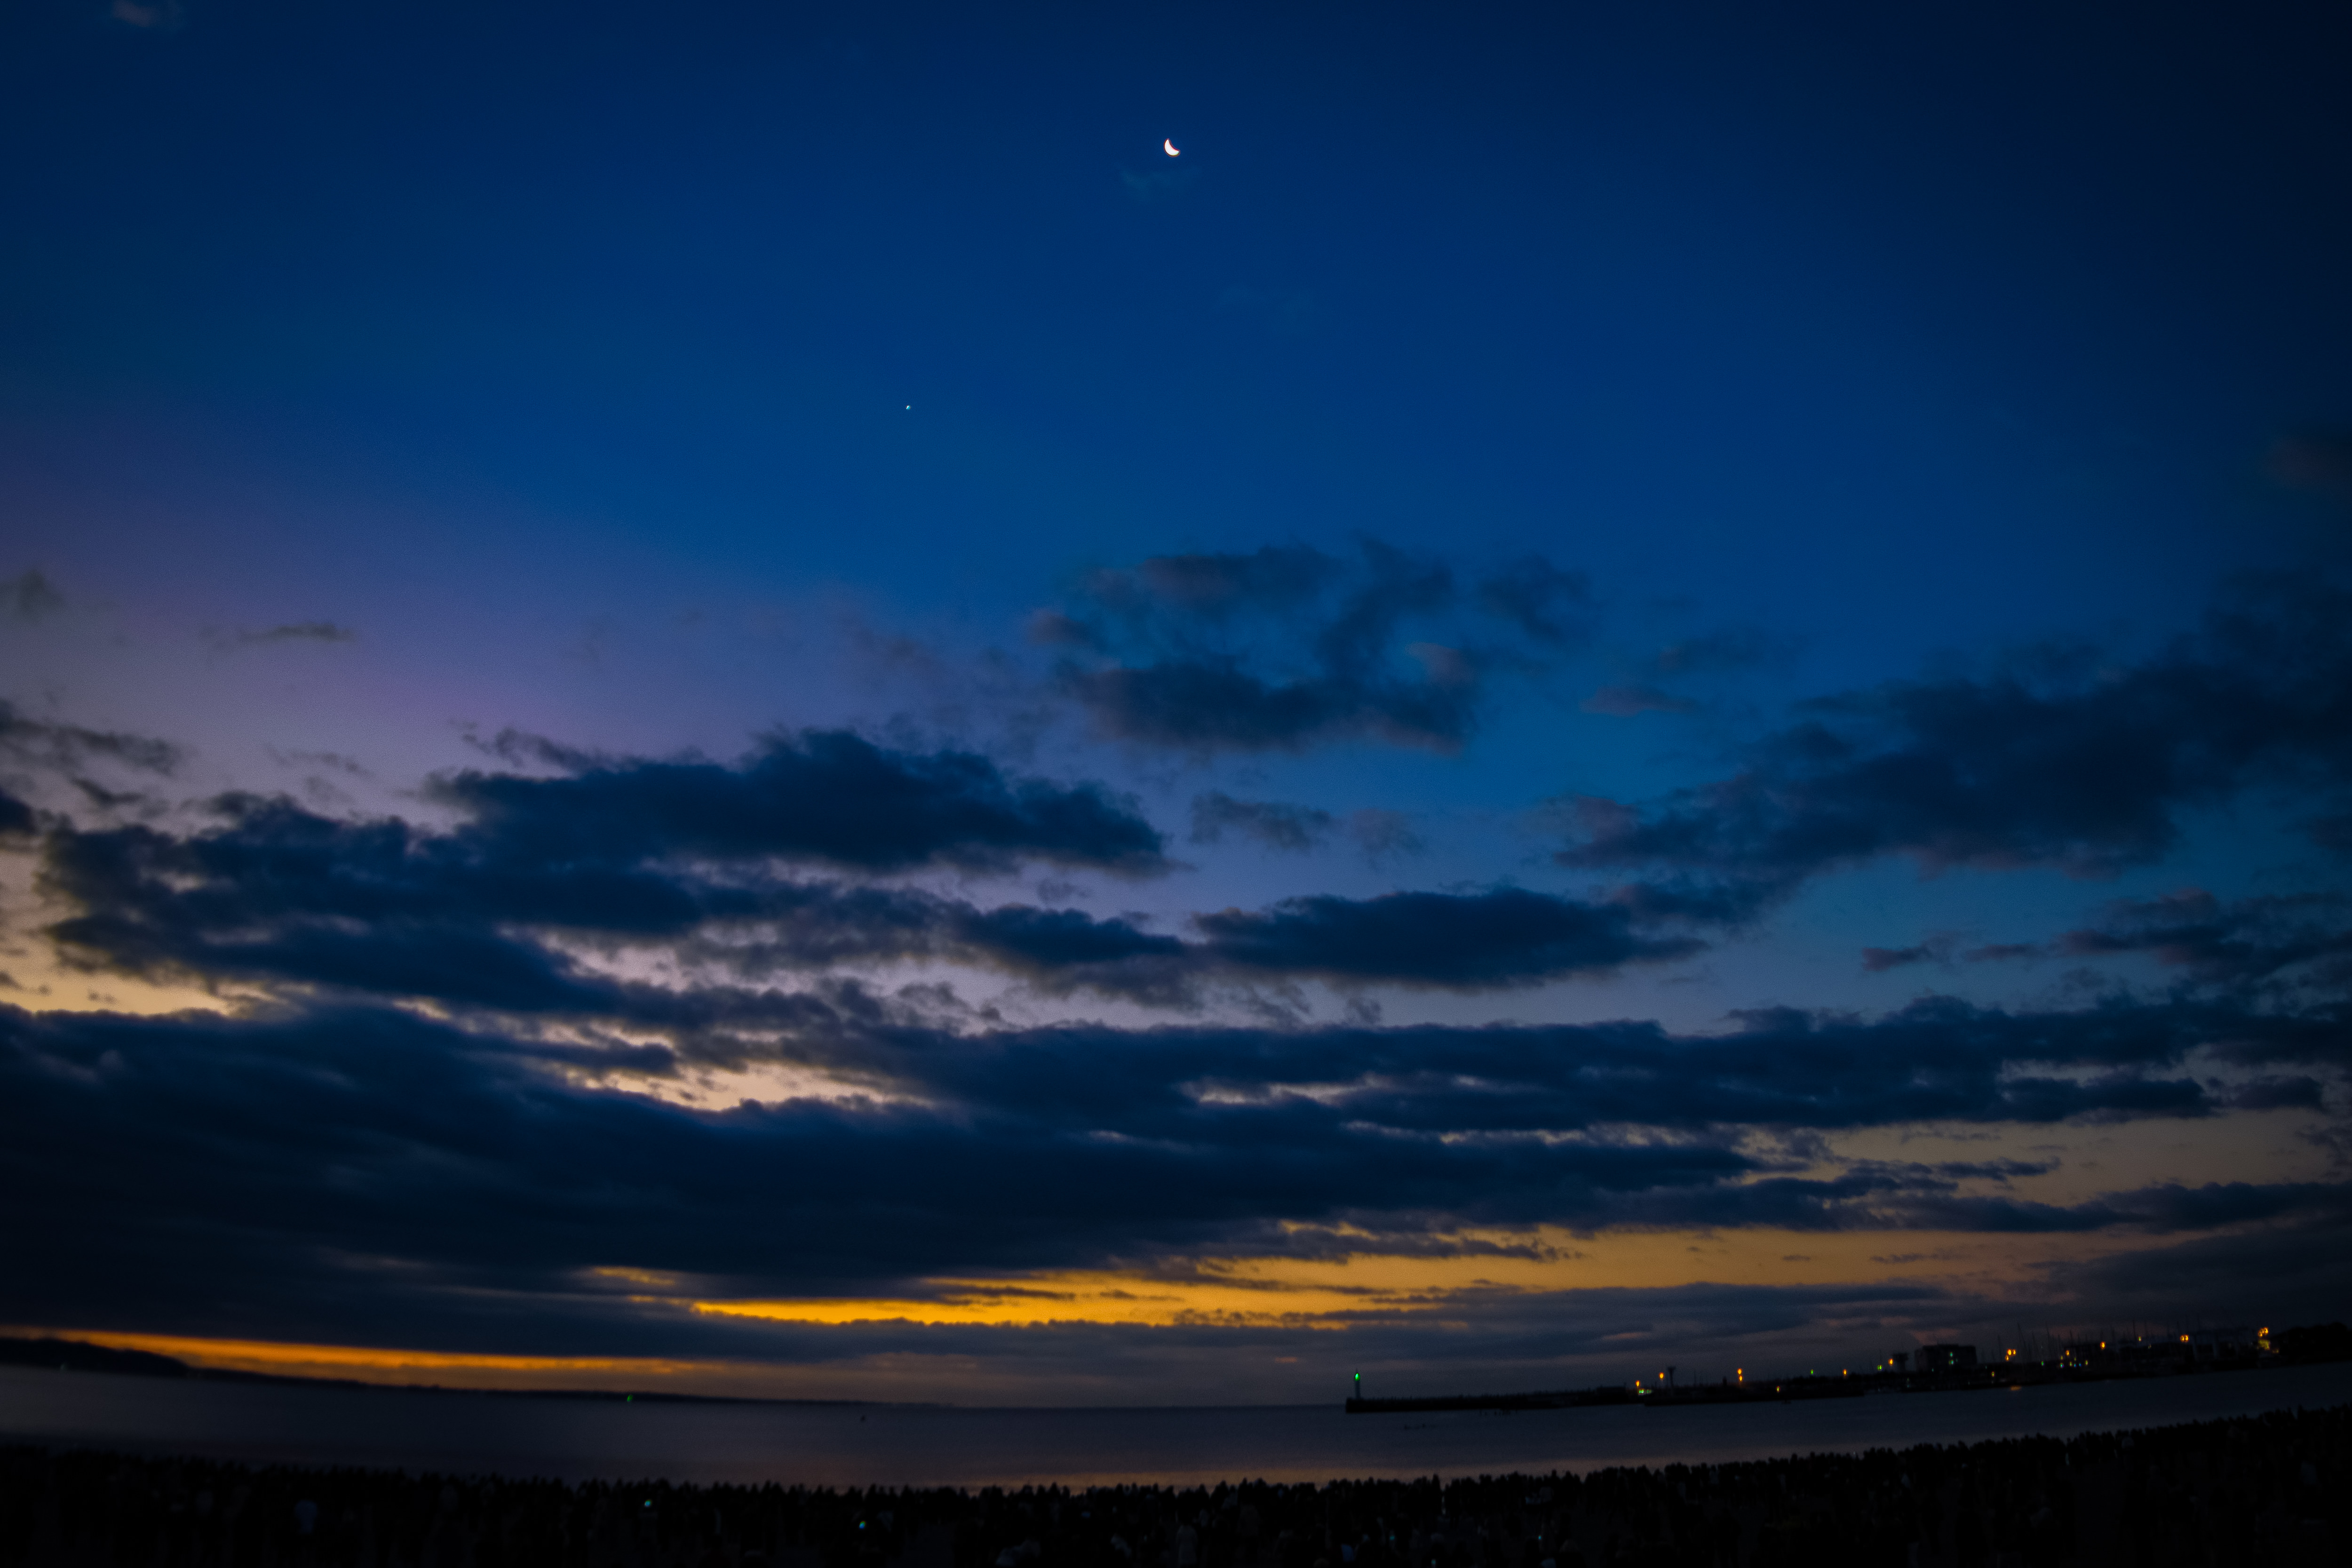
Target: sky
x=1056, y=704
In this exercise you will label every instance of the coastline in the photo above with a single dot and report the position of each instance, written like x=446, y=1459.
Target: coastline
x=585, y=1441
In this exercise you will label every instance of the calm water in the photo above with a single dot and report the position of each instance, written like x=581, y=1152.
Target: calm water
x=578, y=1440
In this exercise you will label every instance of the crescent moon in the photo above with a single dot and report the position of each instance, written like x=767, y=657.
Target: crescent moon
x=1171, y=145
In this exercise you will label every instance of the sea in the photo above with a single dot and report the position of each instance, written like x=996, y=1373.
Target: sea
x=900, y=1445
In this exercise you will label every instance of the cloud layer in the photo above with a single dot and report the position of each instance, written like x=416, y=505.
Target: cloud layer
x=472, y=1087
x=783, y=861
x=1287, y=647
x=376, y=1167
x=2051, y=760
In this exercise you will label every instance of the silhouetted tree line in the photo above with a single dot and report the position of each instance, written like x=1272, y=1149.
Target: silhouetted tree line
x=2272, y=1490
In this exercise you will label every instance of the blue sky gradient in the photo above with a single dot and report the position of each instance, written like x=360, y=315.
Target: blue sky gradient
x=721, y=580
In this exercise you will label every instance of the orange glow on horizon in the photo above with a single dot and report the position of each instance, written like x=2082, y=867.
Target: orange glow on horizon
x=1262, y=1293
x=372, y=1363
x=1334, y=1291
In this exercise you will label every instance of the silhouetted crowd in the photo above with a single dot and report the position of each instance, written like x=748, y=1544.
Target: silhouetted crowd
x=2271, y=1490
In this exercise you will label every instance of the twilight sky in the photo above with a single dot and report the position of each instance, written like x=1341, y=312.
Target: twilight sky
x=743, y=696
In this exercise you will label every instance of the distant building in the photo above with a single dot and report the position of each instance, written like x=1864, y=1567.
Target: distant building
x=1946, y=1358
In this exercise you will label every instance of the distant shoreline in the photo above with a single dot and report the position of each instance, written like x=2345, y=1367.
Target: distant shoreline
x=2139, y=1361
x=1791, y=1389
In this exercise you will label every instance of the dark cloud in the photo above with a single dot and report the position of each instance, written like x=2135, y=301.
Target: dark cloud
x=827, y=796
x=279, y=893
x=1463, y=941
x=16, y=816
x=479, y=916
x=240, y=1151
x=1879, y=960
x=1275, y=824
x=2301, y=939
x=1287, y=647
x=284, y=897
x=2165, y=1208
x=369, y=1174
x=29, y=596
x=676, y=854
x=1056, y=939
x=1202, y=704
x=2045, y=763
x=64, y=747
x=1934, y=1061
x=2235, y=941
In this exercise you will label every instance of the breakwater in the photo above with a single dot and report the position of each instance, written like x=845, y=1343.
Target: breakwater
x=1812, y=1386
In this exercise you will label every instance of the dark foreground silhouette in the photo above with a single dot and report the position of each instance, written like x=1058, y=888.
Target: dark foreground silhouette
x=2270, y=1489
